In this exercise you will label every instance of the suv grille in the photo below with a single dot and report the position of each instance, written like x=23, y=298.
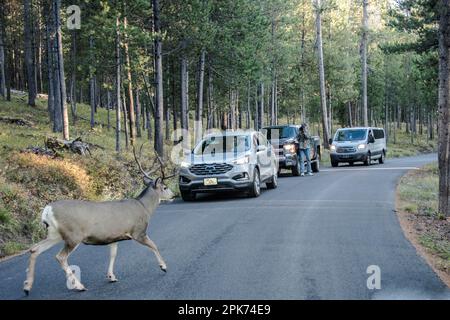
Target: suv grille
x=210, y=169
x=346, y=149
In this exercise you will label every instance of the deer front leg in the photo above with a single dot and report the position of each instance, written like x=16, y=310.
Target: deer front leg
x=35, y=252
x=113, y=253
x=62, y=257
x=145, y=240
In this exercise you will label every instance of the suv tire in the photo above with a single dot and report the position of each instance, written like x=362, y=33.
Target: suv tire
x=296, y=168
x=187, y=196
x=334, y=164
x=255, y=189
x=368, y=161
x=315, y=166
x=273, y=183
x=382, y=158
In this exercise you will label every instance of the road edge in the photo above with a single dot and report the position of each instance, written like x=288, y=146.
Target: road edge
x=412, y=236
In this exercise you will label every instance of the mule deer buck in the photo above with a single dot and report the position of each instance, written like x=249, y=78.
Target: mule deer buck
x=101, y=223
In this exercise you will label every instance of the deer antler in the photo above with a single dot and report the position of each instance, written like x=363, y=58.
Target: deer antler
x=146, y=174
x=162, y=167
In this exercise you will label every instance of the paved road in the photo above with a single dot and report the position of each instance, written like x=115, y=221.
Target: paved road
x=312, y=238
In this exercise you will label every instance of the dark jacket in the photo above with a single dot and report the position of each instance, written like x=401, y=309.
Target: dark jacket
x=303, y=139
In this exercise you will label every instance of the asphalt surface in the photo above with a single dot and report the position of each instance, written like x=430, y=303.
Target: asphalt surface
x=312, y=238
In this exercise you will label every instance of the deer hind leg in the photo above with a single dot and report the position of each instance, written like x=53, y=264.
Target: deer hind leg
x=62, y=257
x=35, y=252
x=113, y=253
x=145, y=240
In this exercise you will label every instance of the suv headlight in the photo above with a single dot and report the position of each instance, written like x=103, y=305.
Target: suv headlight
x=333, y=147
x=243, y=160
x=289, y=148
x=362, y=146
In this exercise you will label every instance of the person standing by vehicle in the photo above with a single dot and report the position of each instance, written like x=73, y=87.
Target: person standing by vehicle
x=303, y=150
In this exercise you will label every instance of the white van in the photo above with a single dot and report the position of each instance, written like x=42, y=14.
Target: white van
x=363, y=144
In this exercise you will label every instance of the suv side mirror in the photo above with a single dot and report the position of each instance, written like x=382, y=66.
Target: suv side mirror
x=330, y=141
x=371, y=139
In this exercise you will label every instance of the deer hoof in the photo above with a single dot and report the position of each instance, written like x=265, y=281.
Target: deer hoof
x=26, y=288
x=112, y=278
x=163, y=268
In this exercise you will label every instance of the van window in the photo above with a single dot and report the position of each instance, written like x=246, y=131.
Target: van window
x=350, y=135
x=378, y=133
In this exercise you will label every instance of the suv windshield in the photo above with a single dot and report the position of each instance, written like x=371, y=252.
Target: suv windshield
x=223, y=144
x=350, y=135
x=279, y=133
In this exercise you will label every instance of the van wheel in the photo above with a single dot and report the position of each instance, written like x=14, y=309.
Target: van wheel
x=296, y=169
x=334, y=164
x=315, y=166
x=255, y=190
x=273, y=183
x=187, y=196
x=382, y=158
x=368, y=161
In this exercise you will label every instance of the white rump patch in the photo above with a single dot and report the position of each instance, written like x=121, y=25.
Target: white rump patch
x=48, y=218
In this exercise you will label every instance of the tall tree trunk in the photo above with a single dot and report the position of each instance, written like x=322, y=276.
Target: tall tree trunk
x=184, y=119
x=108, y=108
x=50, y=67
x=73, y=90
x=118, y=85
x=138, y=113
x=125, y=119
x=248, y=113
x=174, y=106
x=62, y=80
x=323, y=98
x=130, y=85
x=444, y=89
x=210, y=121
x=92, y=81
x=198, y=127
x=29, y=52
x=365, y=27
x=159, y=100
x=39, y=49
x=2, y=52
x=260, y=108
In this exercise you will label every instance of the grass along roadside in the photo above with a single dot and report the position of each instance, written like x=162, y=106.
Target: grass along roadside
x=423, y=225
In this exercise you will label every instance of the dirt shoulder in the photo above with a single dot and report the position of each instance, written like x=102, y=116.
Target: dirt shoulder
x=423, y=226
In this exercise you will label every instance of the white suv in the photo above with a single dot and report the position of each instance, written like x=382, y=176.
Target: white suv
x=352, y=145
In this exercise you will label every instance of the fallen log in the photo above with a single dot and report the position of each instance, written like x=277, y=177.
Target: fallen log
x=17, y=121
x=76, y=146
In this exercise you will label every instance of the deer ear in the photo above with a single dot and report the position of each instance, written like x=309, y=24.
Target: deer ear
x=148, y=182
x=157, y=183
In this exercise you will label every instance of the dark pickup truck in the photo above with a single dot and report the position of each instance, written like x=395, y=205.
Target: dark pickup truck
x=284, y=141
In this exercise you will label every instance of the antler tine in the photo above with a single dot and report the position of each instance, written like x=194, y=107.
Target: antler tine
x=147, y=175
x=162, y=166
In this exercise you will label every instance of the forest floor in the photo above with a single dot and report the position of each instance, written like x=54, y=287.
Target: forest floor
x=29, y=181
x=428, y=230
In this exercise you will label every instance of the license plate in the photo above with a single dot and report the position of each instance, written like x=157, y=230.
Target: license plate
x=210, y=182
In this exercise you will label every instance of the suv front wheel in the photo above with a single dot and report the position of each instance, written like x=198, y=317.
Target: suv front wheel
x=273, y=183
x=255, y=189
x=296, y=168
x=187, y=196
